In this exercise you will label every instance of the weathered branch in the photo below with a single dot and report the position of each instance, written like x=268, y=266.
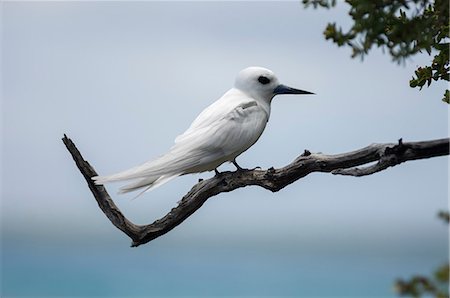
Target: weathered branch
x=385, y=155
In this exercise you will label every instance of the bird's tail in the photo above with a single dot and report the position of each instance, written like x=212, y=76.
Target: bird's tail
x=147, y=183
x=156, y=172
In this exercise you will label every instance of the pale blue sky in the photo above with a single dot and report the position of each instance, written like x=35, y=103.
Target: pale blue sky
x=123, y=79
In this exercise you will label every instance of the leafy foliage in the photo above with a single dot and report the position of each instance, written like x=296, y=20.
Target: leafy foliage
x=405, y=28
x=437, y=285
x=402, y=27
x=418, y=286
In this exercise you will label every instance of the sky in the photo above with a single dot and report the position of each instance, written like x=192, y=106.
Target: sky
x=123, y=79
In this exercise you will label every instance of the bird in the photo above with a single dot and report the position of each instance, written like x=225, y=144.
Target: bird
x=219, y=134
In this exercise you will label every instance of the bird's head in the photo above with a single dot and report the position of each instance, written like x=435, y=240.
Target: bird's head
x=262, y=83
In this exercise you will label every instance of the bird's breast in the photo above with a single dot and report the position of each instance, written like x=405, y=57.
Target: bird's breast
x=245, y=125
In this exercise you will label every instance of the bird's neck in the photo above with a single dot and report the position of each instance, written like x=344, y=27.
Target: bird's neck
x=265, y=105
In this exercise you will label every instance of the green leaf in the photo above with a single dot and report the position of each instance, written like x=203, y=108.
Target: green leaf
x=400, y=28
x=446, y=97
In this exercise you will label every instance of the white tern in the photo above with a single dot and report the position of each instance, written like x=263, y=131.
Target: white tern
x=224, y=130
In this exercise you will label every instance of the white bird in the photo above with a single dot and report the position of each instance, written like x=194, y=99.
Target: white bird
x=224, y=130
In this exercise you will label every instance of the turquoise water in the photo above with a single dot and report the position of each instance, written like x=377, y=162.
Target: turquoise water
x=73, y=268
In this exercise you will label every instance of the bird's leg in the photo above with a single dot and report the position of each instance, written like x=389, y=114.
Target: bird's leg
x=242, y=169
x=217, y=172
x=237, y=166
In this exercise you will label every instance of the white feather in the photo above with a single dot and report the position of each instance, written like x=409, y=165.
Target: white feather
x=220, y=133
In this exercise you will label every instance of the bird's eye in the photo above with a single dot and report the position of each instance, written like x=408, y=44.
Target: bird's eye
x=263, y=80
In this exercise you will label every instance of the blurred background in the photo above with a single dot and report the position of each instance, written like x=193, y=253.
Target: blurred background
x=123, y=79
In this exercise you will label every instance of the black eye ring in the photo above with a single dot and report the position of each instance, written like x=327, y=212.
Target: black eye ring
x=263, y=80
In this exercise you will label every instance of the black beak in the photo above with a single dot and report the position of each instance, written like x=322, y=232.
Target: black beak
x=282, y=89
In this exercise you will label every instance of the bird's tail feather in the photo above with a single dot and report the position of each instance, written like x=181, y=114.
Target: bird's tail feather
x=156, y=172
x=166, y=165
x=147, y=183
x=157, y=183
x=144, y=182
x=99, y=180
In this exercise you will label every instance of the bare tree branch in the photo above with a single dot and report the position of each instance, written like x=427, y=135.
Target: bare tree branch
x=385, y=155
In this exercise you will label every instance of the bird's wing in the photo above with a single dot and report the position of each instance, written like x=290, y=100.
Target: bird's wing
x=233, y=132
x=214, y=137
x=216, y=111
x=206, y=145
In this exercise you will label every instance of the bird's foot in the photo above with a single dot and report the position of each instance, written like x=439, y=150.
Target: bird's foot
x=255, y=168
x=240, y=169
